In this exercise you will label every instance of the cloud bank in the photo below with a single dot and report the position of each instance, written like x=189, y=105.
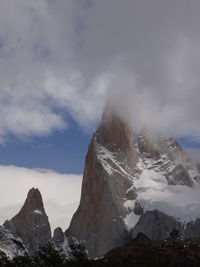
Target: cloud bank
x=65, y=58
x=60, y=192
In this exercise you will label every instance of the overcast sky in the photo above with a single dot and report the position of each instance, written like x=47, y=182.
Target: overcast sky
x=60, y=61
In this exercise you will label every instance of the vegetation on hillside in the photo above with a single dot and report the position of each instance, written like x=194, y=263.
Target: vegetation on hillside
x=140, y=252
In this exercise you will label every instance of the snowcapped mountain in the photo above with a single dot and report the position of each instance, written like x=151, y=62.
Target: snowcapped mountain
x=131, y=185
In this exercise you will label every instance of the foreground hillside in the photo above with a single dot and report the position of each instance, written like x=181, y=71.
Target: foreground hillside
x=143, y=252
x=140, y=252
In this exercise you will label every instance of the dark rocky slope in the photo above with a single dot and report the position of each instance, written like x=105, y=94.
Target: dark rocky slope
x=143, y=252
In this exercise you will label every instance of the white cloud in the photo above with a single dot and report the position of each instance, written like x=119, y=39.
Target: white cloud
x=62, y=57
x=61, y=193
x=39, y=81
x=157, y=76
x=194, y=153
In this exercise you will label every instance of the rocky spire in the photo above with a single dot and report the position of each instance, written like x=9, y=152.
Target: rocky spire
x=109, y=167
x=31, y=224
x=114, y=132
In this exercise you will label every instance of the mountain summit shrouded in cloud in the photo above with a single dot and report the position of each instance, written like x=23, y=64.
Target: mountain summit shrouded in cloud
x=132, y=185
x=61, y=58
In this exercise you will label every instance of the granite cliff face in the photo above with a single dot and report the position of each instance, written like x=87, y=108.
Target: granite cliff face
x=109, y=166
x=31, y=224
x=130, y=186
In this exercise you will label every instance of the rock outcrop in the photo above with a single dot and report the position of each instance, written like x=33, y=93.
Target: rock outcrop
x=109, y=168
x=31, y=224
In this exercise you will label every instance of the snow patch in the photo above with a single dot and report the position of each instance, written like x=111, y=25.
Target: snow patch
x=110, y=163
x=131, y=220
x=38, y=212
x=180, y=201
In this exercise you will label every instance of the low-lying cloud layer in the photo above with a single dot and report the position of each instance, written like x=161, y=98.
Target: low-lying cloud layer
x=61, y=58
x=60, y=192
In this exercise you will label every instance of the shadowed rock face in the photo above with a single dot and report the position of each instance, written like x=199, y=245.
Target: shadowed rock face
x=31, y=223
x=156, y=225
x=192, y=229
x=110, y=162
x=179, y=176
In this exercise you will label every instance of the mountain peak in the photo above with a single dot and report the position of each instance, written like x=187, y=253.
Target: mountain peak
x=114, y=132
x=31, y=224
x=33, y=201
x=122, y=178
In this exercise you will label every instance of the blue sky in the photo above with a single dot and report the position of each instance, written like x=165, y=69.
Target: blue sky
x=63, y=151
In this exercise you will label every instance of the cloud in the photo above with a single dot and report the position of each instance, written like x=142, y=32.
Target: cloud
x=40, y=84
x=151, y=53
x=64, y=58
x=60, y=192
